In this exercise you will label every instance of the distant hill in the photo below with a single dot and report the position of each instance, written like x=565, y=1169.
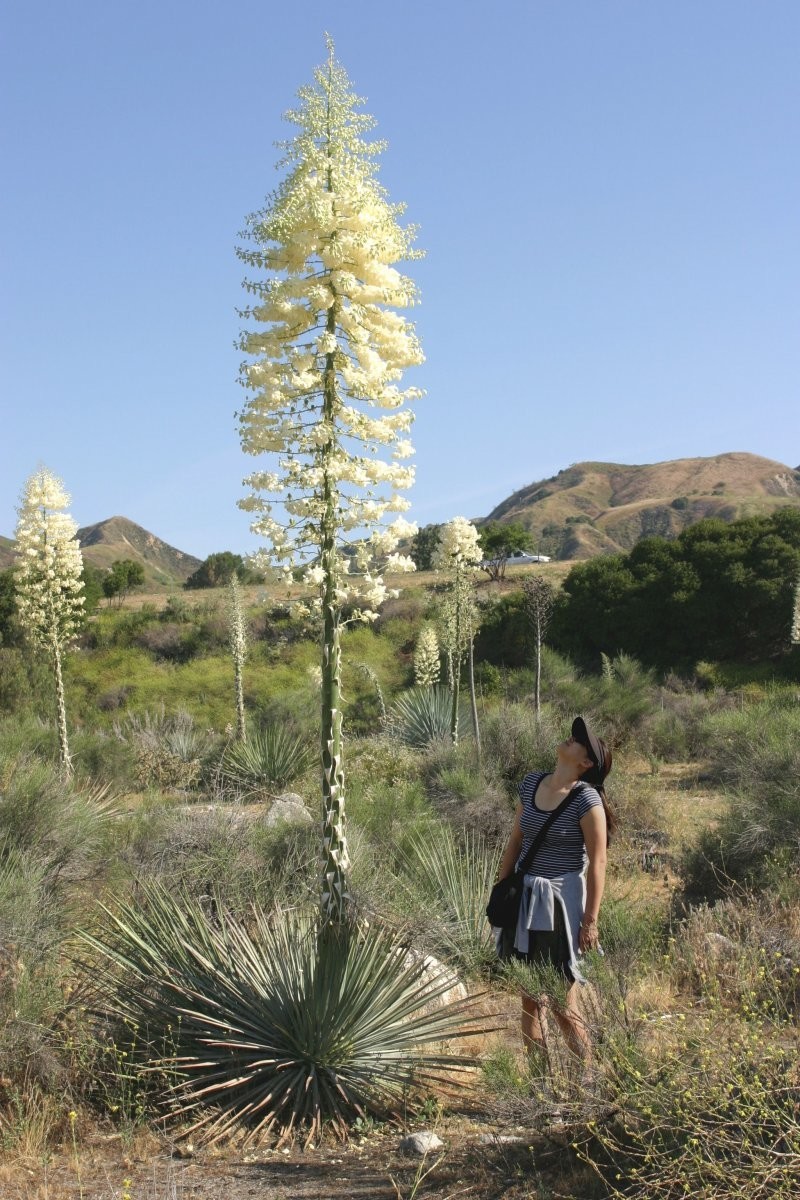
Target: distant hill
x=164, y=566
x=605, y=508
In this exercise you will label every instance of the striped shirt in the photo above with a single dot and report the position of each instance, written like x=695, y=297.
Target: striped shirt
x=563, y=849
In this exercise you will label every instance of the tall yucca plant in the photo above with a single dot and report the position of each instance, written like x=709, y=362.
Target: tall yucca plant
x=277, y=1025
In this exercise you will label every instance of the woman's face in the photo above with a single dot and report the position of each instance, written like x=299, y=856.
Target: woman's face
x=574, y=752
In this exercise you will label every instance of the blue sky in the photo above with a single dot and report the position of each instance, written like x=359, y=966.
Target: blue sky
x=607, y=191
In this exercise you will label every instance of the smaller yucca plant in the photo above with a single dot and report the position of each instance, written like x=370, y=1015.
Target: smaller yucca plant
x=423, y=715
x=280, y=1023
x=450, y=879
x=270, y=758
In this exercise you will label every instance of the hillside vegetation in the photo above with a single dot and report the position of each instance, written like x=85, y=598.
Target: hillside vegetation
x=604, y=508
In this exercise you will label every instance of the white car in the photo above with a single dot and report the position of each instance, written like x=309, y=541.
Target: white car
x=518, y=558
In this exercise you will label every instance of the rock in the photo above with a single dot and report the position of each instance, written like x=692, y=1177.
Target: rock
x=435, y=973
x=288, y=808
x=720, y=945
x=421, y=1143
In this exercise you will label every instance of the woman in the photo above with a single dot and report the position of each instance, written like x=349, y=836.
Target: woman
x=564, y=884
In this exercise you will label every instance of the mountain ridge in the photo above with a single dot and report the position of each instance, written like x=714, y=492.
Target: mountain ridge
x=606, y=508
x=104, y=542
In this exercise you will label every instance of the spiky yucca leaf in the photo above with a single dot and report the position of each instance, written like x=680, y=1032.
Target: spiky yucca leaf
x=278, y=1023
x=270, y=758
x=451, y=877
x=422, y=715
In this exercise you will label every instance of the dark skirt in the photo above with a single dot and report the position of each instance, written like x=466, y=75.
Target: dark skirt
x=549, y=947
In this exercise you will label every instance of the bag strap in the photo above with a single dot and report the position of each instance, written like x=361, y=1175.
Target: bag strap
x=535, y=845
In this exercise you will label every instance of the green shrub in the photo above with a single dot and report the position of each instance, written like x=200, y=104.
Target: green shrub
x=515, y=742
x=755, y=754
x=168, y=749
x=713, y=1117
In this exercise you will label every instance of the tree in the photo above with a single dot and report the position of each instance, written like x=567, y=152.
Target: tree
x=539, y=596
x=458, y=554
x=499, y=540
x=123, y=575
x=423, y=546
x=8, y=607
x=48, y=581
x=218, y=570
x=92, y=587
x=322, y=376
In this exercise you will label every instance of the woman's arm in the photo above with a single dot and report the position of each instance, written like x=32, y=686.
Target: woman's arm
x=595, y=837
x=513, y=847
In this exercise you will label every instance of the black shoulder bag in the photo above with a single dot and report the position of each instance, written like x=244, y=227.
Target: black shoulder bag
x=506, y=896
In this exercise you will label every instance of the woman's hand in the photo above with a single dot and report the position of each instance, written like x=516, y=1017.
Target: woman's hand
x=589, y=937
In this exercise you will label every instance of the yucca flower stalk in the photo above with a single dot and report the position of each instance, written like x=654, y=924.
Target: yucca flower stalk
x=458, y=555
x=539, y=597
x=795, y=633
x=427, y=667
x=322, y=375
x=237, y=638
x=48, y=581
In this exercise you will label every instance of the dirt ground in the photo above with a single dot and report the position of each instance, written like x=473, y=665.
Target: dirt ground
x=369, y=1168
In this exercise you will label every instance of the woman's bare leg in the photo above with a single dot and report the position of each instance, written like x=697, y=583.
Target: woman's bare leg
x=534, y=1029
x=571, y=1023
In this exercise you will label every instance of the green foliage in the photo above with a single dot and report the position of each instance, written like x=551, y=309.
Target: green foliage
x=423, y=715
x=515, y=742
x=218, y=570
x=169, y=750
x=448, y=880
x=423, y=545
x=720, y=591
x=715, y=1118
x=498, y=541
x=504, y=636
x=92, y=578
x=755, y=753
x=270, y=758
x=277, y=1024
x=124, y=575
x=10, y=632
x=219, y=852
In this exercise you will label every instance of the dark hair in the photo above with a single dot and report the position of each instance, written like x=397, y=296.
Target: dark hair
x=595, y=779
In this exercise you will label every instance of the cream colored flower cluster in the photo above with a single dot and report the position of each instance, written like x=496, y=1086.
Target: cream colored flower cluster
x=49, y=563
x=458, y=547
x=328, y=352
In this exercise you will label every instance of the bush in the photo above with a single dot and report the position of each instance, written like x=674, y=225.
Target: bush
x=755, y=753
x=169, y=750
x=714, y=1117
x=423, y=715
x=514, y=742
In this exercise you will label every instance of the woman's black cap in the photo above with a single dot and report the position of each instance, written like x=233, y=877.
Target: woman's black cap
x=583, y=734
